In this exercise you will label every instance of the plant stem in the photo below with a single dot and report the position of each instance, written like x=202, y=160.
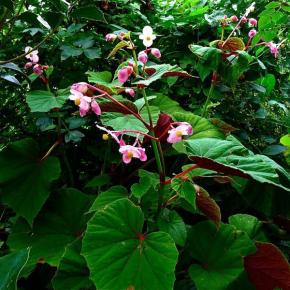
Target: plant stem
x=205, y=111
x=156, y=149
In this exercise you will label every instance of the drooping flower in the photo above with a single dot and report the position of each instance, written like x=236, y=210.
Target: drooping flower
x=142, y=57
x=124, y=74
x=32, y=55
x=147, y=36
x=253, y=22
x=95, y=107
x=234, y=18
x=130, y=92
x=128, y=152
x=156, y=52
x=80, y=100
x=143, y=156
x=252, y=33
x=273, y=48
x=37, y=69
x=110, y=37
x=175, y=134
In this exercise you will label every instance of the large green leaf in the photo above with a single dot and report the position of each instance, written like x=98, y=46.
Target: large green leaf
x=219, y=253
x=89, y=12
x=72, y=272
x=202, y=127
x=61, y=221
x=10, y=268
x=121, y=257
x=44, y=101
x=25, y=179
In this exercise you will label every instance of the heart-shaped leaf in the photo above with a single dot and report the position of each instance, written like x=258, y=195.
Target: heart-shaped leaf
x=120, y=255
x=25, y=179
x=219, y=253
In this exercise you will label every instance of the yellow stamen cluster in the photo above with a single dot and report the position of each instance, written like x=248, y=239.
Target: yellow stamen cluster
x=105, y=137
x=77, y=102
x=178, y=133
x=129, y=154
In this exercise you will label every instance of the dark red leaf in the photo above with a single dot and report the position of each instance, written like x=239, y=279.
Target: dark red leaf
x=150, y=71
x=223, y=126
x=162, y=126
x=268, y=268
x=112, y=107
x=207, y=205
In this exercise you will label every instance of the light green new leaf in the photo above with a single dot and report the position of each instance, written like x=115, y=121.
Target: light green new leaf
x=43, y=101
x=10, y=268
x=72, y=273
x=25, y=180
x=120, y=256
x=219, y=253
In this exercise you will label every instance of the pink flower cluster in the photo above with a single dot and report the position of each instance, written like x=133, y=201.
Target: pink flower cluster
x=32, y=55
x=79, y=94
x=143, y=55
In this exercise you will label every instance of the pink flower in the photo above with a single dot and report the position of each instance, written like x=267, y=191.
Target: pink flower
x=234, y=18
x=110, y=37
x=252, y=33
x=124, y=74
x=273, y=48
x=130, y=92
x=33, y=55
x=175, y=134
x=37, y=69
x=244, y=19
x=142, y=57
x=156, y=52
x=80, y=100
x=143, y=156
x=253, y=22
x=80, y=87
x=128, y=152
x=95, y=107
x=130, y=63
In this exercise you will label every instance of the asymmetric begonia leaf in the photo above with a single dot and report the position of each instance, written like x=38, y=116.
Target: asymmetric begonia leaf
x=219, y=253
x=10, y=267
x=120, y=256
x=25, y=179
x=268, y=269
x=72, y=273
x=61, y=221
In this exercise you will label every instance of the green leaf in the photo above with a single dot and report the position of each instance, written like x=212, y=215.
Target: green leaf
x=274, y=150
x=185, y=191
x=93, y=52
x=219, y=253
x=44, y=101
x=106, y=197
x=8, y=4
x=119, y=254
x=10, y=79
x=11, y=267
x=146, y=182
x=170, y=222
x=90, y=13
x=285, y=140
x=72, y=272
x=61, y=221
x=25, y=180
x=246, y=223
x=156, y=72
x=202, y=127
x=98, y=181
x=268, y=82
x=119, y=121
x=70, y=51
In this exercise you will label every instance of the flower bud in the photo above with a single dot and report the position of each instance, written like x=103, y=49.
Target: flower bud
x=110, y=37
x=234, y=18
x=28, y=65
x=156, y=52
x=143, y=57
x=253, y=22
x=124, y=74
x=252, y=33
x=244, y=19
x=130, y=92
x=80, y=87
x=130, y=63
x=37, y=69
